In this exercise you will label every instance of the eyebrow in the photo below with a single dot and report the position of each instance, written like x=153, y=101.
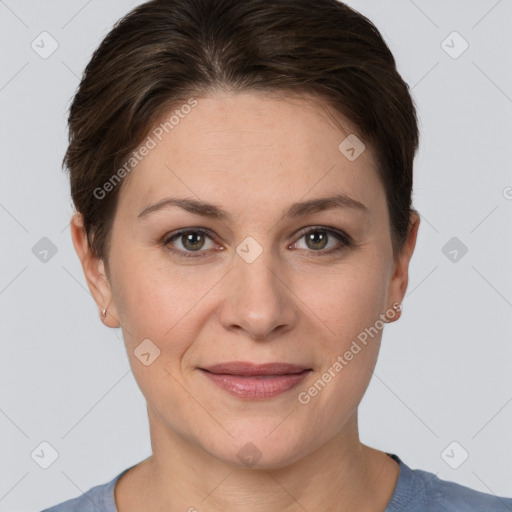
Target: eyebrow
x=294, y=211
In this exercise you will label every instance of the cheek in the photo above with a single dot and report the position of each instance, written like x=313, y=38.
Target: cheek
x=148, y=305
x=155, y=304
x=160, y=301
x=352, y=301
x=350, y=305
x=349, y=298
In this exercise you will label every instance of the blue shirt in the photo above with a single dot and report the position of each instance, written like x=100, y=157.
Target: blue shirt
x=415, y=491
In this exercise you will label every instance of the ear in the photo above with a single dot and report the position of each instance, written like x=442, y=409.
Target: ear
x=94, y=272
x=400, y=277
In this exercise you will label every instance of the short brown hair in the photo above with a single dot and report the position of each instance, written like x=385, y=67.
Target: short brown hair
x=165, y=51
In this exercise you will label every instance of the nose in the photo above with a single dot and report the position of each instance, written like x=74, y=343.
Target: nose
x=258, y=300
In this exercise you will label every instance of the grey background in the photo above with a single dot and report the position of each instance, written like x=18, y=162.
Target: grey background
x=444, y=368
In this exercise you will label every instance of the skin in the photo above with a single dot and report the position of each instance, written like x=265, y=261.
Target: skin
x=254, y=155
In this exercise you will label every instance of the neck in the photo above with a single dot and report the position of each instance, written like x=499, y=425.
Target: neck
x=342, y=475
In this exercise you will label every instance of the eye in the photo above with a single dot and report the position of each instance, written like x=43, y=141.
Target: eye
x=317, y=239
x=193, y=240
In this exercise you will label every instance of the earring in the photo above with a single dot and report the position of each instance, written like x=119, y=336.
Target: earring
x=397, y=306
x=104, y=312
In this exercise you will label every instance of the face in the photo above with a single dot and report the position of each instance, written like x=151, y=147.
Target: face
x=267, y=274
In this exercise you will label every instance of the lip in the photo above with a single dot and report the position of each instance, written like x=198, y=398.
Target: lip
x=256, y=381
x=250, y=369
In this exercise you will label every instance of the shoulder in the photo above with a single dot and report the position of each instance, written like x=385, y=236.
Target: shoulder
x=449, y=496
x=79, y=504
x=97, y=499
x=91, y=501
x=87, y=502
x=422, y=491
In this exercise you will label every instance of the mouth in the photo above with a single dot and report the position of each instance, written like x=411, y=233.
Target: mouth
x=256, y=381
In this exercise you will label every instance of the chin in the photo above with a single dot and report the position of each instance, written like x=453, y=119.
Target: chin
x=258, y=447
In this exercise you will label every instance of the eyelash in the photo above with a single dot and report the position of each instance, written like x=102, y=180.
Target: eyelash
x=346, y=241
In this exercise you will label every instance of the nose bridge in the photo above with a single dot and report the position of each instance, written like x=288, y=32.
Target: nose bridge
x=257, y=299
x=255, y=267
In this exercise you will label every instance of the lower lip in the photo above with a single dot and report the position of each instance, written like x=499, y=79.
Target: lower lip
x=255, y=388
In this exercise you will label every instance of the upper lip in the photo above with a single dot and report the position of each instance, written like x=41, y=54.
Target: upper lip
x=244, y=368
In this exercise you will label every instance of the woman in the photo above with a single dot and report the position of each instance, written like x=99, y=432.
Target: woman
x=213, y=145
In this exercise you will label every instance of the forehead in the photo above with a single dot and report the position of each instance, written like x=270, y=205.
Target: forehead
x=250, y=151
